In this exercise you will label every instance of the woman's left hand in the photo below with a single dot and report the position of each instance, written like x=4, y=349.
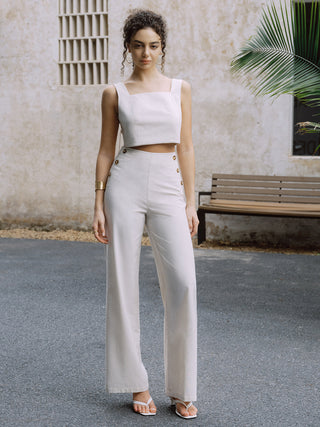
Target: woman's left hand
x=193, y=220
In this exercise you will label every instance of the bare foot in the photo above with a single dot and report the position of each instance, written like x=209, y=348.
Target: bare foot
x=184, y=411
x=143, y=396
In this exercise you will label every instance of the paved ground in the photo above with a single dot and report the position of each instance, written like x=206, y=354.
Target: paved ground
x=259, y=338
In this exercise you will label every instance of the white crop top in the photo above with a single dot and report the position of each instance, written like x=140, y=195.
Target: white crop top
x=150, y=117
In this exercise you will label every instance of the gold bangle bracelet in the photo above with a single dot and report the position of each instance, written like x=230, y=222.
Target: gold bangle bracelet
x=100, y=185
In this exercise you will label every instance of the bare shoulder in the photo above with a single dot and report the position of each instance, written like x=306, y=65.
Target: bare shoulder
x=109, y=95
x=185, y=93
x=109, y=90
x=185, y=87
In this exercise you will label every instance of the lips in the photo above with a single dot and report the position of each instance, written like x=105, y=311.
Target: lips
x=145, y=62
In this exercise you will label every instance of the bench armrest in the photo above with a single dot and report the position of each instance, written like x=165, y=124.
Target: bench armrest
x=203, y=193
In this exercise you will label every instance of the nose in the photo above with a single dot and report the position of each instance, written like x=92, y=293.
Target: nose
x=146, y=52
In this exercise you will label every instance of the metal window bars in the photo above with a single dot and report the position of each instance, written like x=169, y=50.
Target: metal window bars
x=83, y=42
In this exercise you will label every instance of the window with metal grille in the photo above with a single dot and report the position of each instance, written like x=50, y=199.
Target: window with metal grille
x=83, y=42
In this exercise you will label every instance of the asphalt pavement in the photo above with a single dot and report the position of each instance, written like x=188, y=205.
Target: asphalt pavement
x=258, y=338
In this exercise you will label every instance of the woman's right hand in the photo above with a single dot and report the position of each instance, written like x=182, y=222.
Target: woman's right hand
x=99, y=226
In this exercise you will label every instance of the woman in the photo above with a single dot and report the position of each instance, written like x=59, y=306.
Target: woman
x=148, y=187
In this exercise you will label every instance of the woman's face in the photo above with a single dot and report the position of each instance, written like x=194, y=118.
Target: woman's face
x=145, y=48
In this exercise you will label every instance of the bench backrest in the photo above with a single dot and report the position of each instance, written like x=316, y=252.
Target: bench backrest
x=281, y=189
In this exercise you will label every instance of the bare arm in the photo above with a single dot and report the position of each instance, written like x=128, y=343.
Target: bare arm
x=109, y=130
x=186, y=157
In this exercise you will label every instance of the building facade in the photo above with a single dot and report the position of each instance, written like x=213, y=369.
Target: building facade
x=57, y=57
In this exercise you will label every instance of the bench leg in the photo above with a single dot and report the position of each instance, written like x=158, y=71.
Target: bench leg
x=202, y=226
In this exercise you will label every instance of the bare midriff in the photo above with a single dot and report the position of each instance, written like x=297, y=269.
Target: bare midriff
x=157, y=148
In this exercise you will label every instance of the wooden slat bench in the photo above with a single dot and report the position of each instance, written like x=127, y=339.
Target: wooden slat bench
x=278, y=196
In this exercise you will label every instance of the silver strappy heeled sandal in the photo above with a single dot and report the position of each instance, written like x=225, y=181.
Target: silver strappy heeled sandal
x=174, y=403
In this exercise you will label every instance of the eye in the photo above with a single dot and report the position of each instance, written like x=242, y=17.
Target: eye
x=154, y=46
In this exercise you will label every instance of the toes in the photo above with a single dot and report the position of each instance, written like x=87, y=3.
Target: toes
x=144, y=409
x=136, y=408
x=183, y=411
x=193, y=410
x=186, y=412
x=151, y=408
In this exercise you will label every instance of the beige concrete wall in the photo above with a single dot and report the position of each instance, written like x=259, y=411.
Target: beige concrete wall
x=50, y=135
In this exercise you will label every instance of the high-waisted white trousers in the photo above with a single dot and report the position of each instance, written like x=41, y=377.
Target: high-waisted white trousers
x=146, y=189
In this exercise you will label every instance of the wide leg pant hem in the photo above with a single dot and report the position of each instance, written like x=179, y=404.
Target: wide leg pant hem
x=184, y=397
x=127, y=389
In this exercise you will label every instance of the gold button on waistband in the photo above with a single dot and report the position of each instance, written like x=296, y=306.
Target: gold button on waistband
x=178, y=170
x=174, y=157
x=116, y=162
x=109, y=174
x=124, y=150
x=181, y=182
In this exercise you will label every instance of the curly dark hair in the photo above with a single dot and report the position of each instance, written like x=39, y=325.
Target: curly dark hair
x=139, y=19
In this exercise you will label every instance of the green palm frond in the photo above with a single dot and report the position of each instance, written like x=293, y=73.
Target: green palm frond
x=283, y=55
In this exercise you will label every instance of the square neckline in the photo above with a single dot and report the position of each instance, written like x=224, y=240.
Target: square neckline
x=144, y=93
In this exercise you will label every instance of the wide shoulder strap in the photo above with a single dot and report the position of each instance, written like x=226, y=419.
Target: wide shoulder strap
x=120, y=88
x=176, y=86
